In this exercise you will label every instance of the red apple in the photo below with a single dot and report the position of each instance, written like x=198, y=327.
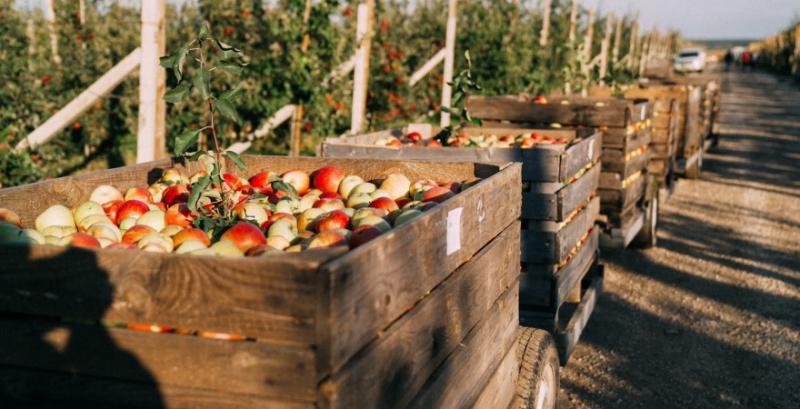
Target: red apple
x=262, y=181
x=434, y=143
x=191, y=233
x=111, y=208
x=122, y=246
x=175, y=194
x=8, y=216
x=454, y=187
x=298, y=179
x=244, y=235
x=84, y=240
x=132, y=208
x=437, y=194
x=414, y=137
x=364, y=234
x=385, y=203
x=136, y=233
x=329, y=204
x=336, y=219
x=234, y=182
x=397, y=185
x=179, y=215
x=326, y=239
x=173, y=176
x=328, y=178
x=330, y=195
x=139, y=193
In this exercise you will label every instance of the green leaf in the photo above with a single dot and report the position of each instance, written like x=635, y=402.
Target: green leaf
x=203, y=35
x=195, y=156
x=202, y=81
x=284, y=187
x=185, y=140
x=227, y=47
x=231, y=93
x=236, y=159
x=226, y=109
x=178, y=93
x=197, y=189
x=175, y=61
x=234, y=69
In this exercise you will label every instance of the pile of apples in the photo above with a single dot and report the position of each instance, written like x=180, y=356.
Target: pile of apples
x=324, y=209
x=524, y=140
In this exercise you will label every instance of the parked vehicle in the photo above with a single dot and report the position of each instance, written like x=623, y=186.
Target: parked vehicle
x=690, y=60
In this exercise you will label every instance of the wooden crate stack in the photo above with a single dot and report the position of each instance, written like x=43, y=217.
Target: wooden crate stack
x=424, y=316
x=625, y=154
x=559, y=208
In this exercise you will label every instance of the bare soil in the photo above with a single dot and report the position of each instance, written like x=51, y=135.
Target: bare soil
x=711, y=317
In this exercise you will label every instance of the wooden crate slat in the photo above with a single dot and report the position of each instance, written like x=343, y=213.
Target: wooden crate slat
x=621, y=199
x=364, y=299
x=548, y=243
x=616, y=163
x=543, y=205
x=252, y=296
x=515, y=110
x=166, y=359
x=501, y=389
x=472, y=363
x=621, y=138
x=410, y=350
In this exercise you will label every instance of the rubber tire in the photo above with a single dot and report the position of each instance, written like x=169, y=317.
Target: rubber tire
x=538, y=384
x=694, y=171
x=648, y=235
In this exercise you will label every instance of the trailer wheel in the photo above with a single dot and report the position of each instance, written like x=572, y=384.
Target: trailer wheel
x=538, y=384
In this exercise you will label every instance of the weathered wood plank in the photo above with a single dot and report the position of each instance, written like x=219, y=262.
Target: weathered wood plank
x=501, y=389
x=541, y=204
x=393, y=368
x=473, y=362
x=549, y=242
x=165, y=359
x=621, y=199
x=414, y=258
x=614, y=162
x=614, y=113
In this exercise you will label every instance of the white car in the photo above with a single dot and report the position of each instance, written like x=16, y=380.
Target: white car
x=690, y=60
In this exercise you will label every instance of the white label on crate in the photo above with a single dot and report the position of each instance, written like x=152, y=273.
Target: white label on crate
x=591, y=149
x=454, y=230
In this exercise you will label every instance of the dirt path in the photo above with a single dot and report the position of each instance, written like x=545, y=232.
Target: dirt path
x=710, y=318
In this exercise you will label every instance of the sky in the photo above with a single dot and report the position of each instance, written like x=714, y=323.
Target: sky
x=710, y=19
x=695, y=19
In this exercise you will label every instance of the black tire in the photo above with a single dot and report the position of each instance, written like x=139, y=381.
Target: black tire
x=538, y=383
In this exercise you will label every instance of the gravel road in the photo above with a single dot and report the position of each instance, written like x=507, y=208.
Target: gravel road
x=710, y=318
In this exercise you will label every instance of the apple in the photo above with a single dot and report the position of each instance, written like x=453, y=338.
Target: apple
x=197, y=176
x=226, y=248
x=58, y=231
x=157, y=191
x=33, y=235
x=298, y=179
x=365, y=187
x=127, y=223
x=363, y=234
x=8, y=216
x=331, y=195
x=433, y=143
x=328, y=178
x=406, y=216
x=171, y=230
x=104, y=242
x=251, y=211
x=283, y=228
x=278, y=242
x=234, y=182
x=397, y=185
x=156, y=239
x=308, y=218
x=376, y=221
x=336, y=219
x=122, y=246
x=132, y=208
x=56, y=215
x=367, y=211
x=414, y=137
x=307, y=202
x=244, y=235
x=329, y=204
x=154, y=248
x=173, y=176
x=139, y=193
x=104, y=194
x=189, y=246
x=436, y=194
x=179, y=215
x=262, y=181
x=348, y=184
x=359, y=200
x=262, y=250
x=175, y=194
x=87, y=209
x=327, y=239
x=89, y=221
x=83, y=240
x=380, y=193
x=135, y=233
x=191, y=233
x=421, y=185
x=385, y=203
x=112, y=208
x=154, y=218
x=11, y=233
x=454, y=187
x=286, y=205
x=105, y=230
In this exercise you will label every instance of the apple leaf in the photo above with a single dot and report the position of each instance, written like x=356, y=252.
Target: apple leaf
x=197, y=189
x=237, y=160
x=178, y=93
x=226, y=109
x=234, y=69
x=202, y=81
x=231, y=93
x=185, y=140
x=282, y=186
x=226, y=47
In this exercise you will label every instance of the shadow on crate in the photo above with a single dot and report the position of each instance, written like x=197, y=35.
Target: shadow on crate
x=54, y=351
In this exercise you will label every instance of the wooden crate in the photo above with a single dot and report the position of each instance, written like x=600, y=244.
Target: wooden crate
x=393, y=322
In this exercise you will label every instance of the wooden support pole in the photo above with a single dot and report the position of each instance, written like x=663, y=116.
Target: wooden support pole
x=587, y=42
x=50, y=17
x=427, y=67
x=82, y=102
x=276, y=120
x=151, y=137
x=545, y=33
x=605, y=46
x=634, y=39
x=358, y=117
x=296, y=135
x=645, y=49
x=796, y=67
x=449, y=62
x=30, y=32
x=573, y=22
x=617, y=41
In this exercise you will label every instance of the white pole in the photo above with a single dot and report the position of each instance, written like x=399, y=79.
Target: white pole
x=573, y=22
x=152, y=109
x=544, y=36
x=449, y=62
x=617, y=41
x=276, y=120
x=82, y=102
x=427, y=67
x=50, y=17
x=605, y=46
x=361, y=71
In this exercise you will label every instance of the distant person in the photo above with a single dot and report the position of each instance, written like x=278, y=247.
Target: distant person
x=747, y=60
x=728, y=60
